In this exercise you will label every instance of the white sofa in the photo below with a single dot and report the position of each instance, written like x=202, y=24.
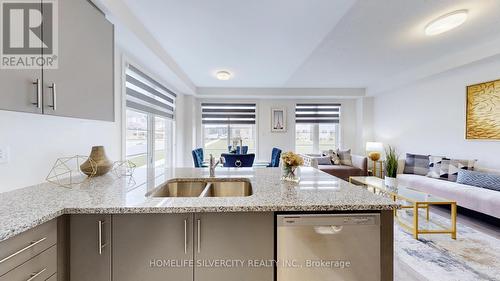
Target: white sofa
x=475, y=198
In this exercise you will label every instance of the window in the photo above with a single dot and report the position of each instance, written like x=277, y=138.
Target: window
x=317, y=127
x=149, y=121
x=137, y=137
x=224, y=122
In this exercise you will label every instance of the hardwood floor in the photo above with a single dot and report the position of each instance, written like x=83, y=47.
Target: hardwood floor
x=403, y=272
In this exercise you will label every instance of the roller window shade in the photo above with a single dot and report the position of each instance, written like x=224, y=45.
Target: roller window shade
x=317, y=113
x=146, y=94
x=228, y=113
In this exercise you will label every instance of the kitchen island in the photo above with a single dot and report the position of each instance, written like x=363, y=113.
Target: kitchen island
x=121, y=205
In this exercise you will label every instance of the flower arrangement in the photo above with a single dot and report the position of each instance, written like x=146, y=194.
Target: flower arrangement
x=290, y=163
x=292, y=159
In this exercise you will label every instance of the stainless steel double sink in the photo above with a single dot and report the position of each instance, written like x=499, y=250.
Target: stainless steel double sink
x=209, y=188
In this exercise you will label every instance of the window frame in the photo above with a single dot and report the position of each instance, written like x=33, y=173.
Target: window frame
x=150, y=120
x=316, y=130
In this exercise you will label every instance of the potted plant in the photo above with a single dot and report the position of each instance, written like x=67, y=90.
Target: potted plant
x=391, y=167
x=291, y=162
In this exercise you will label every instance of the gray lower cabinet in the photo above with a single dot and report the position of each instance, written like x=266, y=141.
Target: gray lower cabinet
x=246, y=237
x=40, y=267
x=82, y=85
x=90, y=247
x=31, y=255
x=153, y=247
x=191, y=247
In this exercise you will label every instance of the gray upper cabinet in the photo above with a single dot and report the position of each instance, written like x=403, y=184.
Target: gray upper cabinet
x=234, y=236
x=21, y=90
x=20, y=84
x=82, y=85
x=144, y=244
x=90, y=247
x=83, y=82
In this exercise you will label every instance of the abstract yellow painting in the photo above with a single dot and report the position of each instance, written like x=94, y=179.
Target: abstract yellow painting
x=483, y=111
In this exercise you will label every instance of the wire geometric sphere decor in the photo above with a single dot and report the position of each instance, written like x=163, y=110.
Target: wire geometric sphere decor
x=66, y=171
x=123, y=168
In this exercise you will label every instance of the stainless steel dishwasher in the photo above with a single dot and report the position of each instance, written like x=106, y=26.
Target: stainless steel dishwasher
x=328, y=247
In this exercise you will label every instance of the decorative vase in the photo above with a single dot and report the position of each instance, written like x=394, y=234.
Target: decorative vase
x=103, y=164
x=391, y=182
x=290, y=173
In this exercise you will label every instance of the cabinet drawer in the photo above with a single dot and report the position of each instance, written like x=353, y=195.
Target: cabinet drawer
x=26, y=245
x=38, y=268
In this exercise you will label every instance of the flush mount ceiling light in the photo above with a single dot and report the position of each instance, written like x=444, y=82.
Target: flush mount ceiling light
x=446, y=23
x=223, y=75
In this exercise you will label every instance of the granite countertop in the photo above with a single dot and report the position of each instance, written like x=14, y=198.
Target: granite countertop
x=25, y=208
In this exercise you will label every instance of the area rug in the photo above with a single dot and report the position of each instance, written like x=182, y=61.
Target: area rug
x=472, y=256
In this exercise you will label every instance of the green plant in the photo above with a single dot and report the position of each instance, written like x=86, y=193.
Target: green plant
x=391, y=162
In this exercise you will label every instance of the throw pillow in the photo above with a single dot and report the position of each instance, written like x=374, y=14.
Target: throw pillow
x=334, y=157
x=479, y=179
x=457, y=165
x=446, y=168
x=324, y=160
x=416, y=164
x=345, y=157
x=438, y=167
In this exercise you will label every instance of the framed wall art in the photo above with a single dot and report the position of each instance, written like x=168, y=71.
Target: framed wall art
x=278, y=120
x=483, y=111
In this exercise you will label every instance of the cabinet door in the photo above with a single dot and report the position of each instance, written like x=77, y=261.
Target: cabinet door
x=153, y=247
x=83, y=81
x=90, y=247
x=19, y=90
x=241, y=238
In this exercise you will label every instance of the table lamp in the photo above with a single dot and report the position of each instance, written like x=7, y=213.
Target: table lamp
x=374, y=150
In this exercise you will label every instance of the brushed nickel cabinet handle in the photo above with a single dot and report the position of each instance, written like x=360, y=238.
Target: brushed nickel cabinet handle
x=54, y=96
x=35, y=275
x=38, y=88
x=100, y=245
x=199, y=235
x=31, y=245
x=185, y=236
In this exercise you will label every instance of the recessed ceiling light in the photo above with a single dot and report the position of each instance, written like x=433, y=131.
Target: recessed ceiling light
x=446, y=22
x=223, y=75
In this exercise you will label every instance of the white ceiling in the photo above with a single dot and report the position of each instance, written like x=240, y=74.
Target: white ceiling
x=313, y=43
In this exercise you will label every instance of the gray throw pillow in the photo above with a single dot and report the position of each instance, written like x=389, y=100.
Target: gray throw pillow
x=324, y=160
x=416, y=164
x=479, y=179
x=345, y=157
x=334, y=157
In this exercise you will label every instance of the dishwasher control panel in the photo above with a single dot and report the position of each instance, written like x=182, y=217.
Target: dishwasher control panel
x=327, y=219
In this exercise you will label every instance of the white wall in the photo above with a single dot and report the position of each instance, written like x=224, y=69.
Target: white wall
x=428, y=116
x=351, y=129
x=35, y=141
x=286, y=141
x=185, y=130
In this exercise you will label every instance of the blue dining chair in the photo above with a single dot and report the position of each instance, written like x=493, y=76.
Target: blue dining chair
x=197, y=157
x=238, y=149
x=238, y=160
x=275, y=157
